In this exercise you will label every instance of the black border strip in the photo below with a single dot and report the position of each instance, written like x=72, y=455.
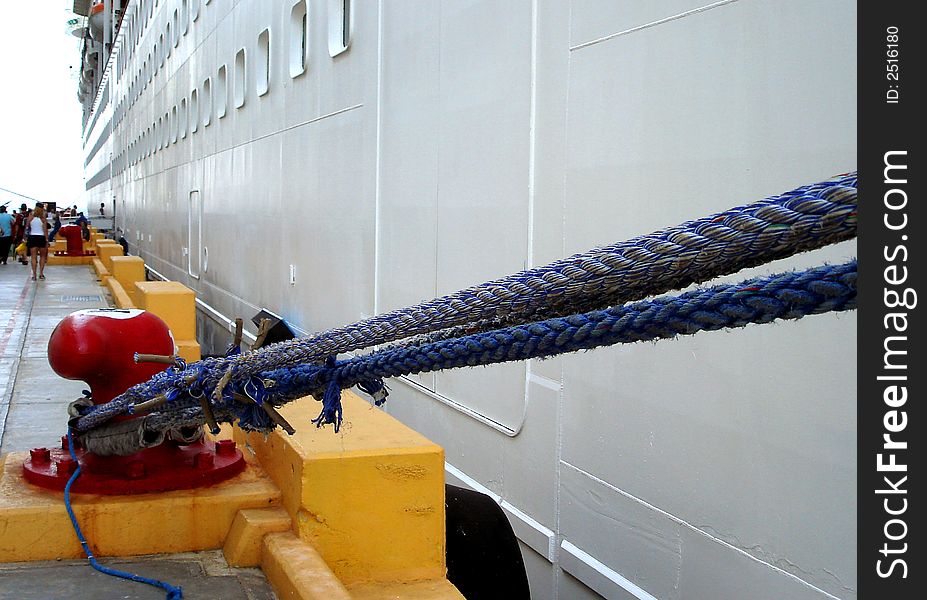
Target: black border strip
x=891, y=272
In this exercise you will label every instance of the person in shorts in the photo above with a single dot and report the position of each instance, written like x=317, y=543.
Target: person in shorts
x=37, y=240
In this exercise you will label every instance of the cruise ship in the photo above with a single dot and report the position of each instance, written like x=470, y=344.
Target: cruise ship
x=330, y=160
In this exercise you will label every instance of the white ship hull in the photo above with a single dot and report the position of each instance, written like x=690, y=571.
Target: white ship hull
x=452, y=142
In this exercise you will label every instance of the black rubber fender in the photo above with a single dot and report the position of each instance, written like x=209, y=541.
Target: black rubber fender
x=483, y=558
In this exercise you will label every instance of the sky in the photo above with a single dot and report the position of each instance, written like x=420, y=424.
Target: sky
x=40, y=118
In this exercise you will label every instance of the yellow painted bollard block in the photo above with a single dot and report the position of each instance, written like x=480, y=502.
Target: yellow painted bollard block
x=370, y=499
x=189, y=350
x=128, y=270
x=120, y=297
x=297, y=572
x=174, y=302
x=243, y=543
x=105, y=252
x=102, y=273
x=35, y=525
x=103, y=241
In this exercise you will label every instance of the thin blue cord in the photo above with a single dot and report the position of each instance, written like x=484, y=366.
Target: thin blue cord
x=173, y=593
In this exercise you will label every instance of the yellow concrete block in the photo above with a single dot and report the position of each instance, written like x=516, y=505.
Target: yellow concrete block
x=35, y=524
x=97, y=244
x=128, y=270
x=245, y=539
x=101, y=270
x=432, y=589
x=189, y=350
x=173, y=302
x=297, y=572
x=70, y=260
x=370, y=499
x=120, y=297
x=95, y=238
x=105, y=252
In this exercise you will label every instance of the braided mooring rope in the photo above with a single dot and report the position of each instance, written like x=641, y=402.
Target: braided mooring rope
x=791, y=295
x=806, y=218
x=803, y=219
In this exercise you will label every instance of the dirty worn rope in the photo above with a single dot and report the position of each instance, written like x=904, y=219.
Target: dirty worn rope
x=172, y=592
x=790, y=295
x=806, y=218
x=693, y=252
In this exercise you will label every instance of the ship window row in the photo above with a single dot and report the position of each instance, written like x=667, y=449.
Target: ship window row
x=340, y=32
x=195, y=111
x=179, y=23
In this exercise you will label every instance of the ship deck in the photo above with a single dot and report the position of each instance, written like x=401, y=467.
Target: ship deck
x=33, y=414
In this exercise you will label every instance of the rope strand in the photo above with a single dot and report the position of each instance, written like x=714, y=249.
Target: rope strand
x=172, y=592
x=803, y=219
x=790, y=295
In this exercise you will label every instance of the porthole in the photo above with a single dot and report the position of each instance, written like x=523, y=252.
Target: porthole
x=222, y=91
x=299, y=39
x=240, y=79
x=262, y=66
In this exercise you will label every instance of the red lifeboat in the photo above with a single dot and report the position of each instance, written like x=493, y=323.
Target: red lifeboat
x=95, y=19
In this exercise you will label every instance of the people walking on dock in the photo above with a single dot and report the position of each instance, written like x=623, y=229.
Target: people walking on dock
x=56, y=225
x=37, y=240
x=19, y=232
x=6, y=234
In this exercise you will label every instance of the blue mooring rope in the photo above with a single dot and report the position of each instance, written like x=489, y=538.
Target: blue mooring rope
x=805, y=218
x=173, y=593
x=789, y=295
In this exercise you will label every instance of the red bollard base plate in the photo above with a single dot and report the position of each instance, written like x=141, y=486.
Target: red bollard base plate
x=167, y=467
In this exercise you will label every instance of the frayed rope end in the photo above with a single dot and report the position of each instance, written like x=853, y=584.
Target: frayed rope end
x=331, y=406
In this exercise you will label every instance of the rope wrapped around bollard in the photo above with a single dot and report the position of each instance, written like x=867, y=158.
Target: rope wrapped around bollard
x=241, y=388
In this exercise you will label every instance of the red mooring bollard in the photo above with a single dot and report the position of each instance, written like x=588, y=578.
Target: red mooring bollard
x=75, y=239
x=98, y=346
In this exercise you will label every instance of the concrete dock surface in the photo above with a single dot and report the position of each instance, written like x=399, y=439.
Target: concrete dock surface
x=33, y=414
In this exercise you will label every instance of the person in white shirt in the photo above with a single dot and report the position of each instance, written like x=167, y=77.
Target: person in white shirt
x=37, y=240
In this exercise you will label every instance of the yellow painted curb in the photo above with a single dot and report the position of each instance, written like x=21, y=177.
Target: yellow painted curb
x=35, y=524
x=297, y=572
x=432, y=589
x=245, y=539
x=120, y=297
x=101, y=271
